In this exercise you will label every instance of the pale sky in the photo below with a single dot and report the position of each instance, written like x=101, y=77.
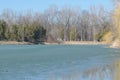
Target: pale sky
x=41, y=5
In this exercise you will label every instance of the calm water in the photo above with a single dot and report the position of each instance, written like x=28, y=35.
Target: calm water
x=56, y=62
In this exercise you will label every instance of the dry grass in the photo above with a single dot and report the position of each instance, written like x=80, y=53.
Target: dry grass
x=83, y=43
x=13, y=42
x=116, y=44
x=108, y=37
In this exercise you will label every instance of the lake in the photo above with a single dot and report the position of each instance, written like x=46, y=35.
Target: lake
x=57, y=62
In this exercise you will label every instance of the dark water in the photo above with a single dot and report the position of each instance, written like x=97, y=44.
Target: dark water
x=57, y=62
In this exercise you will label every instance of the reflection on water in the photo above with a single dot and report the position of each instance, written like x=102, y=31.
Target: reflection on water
x=103, y=73
x=59, y=62
x=117, y=71
x=107, y=72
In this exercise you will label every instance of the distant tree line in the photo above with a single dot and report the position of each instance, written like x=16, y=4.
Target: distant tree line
x=54, y=24
x=34, y=33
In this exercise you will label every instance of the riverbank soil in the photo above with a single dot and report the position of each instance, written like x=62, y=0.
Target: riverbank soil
x=116, y=44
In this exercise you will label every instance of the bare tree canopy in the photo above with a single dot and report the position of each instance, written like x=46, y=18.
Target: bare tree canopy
x=54, y=24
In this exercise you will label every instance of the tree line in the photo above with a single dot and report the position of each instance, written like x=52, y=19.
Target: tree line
x=54, y=24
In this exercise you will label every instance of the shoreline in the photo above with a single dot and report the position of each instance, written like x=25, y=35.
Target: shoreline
x=84, y=43
x=78, y=43
x=55, y=43
x=116, y=44
x=14, y=43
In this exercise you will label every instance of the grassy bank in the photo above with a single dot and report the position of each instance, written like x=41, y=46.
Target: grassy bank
x=77, y=43
x=48, y=43
x=83, y=43
x=14, y=43
x=115, y=44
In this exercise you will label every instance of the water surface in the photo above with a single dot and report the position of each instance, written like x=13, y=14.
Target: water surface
x=56, y=62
